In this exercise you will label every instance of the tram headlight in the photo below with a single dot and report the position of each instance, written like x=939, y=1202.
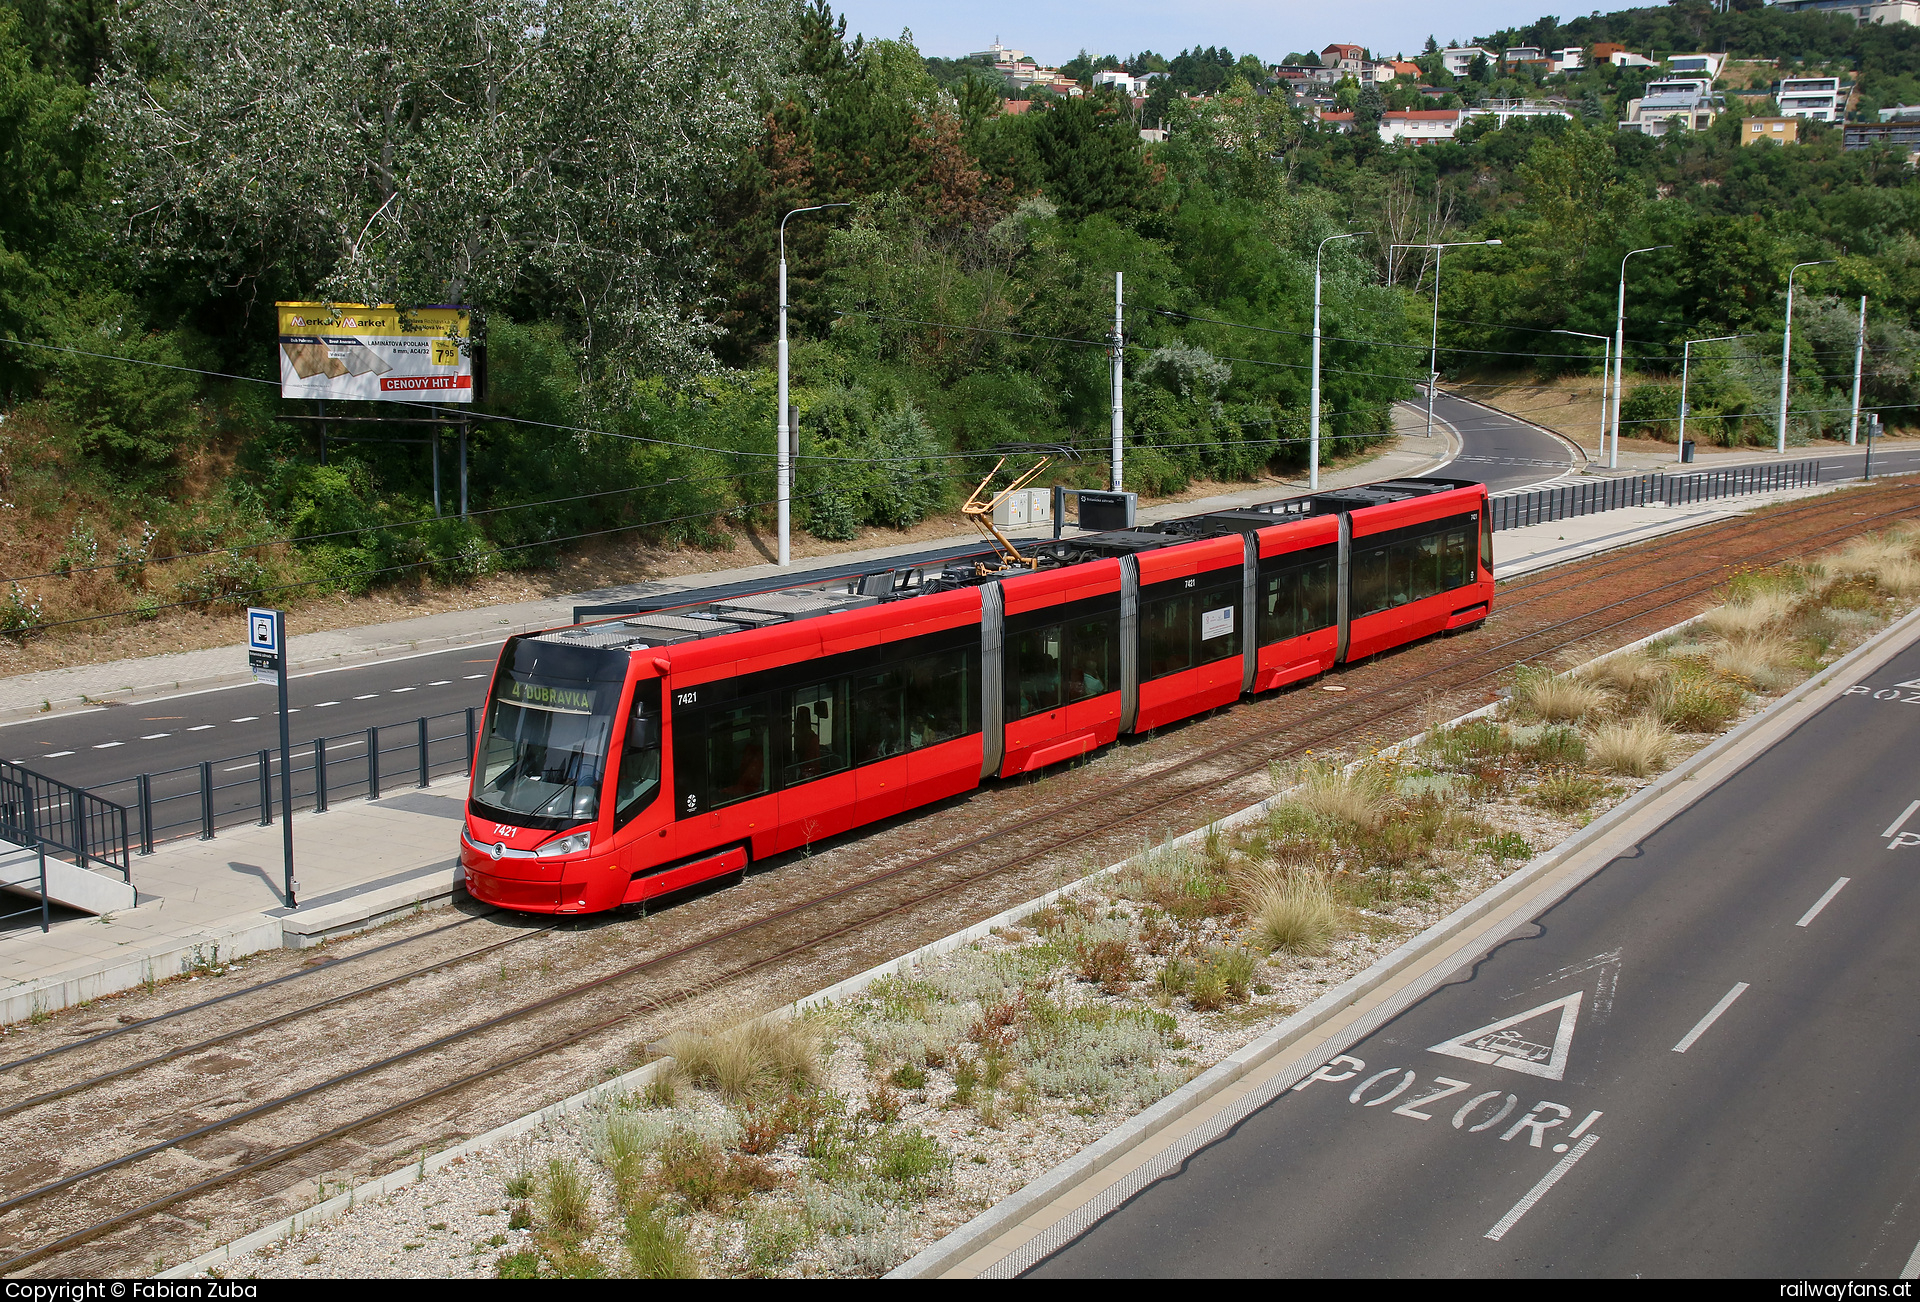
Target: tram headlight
x=565, y=845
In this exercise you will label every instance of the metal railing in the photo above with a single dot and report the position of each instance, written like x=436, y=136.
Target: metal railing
x=199, y=799
x=72, y=822
x=1543, y=505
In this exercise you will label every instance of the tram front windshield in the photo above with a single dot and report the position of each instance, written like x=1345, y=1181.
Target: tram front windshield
x=545, y=754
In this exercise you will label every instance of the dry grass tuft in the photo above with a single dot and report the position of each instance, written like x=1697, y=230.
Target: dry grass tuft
x=1635, y=748
x=1554, y=698
x=1694, y=702
x=1765, y=662
x=1900, y=577
x=1632, y=675
x=740, y=1059
x=1763, y=612
x=1869, y=555
x=1296, y=914
x=1361, y=798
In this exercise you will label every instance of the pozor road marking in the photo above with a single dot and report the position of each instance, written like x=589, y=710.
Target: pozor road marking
x=1894, y=837
x=1477, y=1115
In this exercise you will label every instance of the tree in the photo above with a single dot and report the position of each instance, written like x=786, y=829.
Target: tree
x=482, y=151
x=1368, y=106
x=1089, y=153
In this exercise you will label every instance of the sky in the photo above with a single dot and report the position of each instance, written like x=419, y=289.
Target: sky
x=1052, y=31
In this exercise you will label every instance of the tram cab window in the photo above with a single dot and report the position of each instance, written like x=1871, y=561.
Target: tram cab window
x=817, y=733
x=1298, y=598
x=545, y=753
x=1410, y=564
x=638, y=781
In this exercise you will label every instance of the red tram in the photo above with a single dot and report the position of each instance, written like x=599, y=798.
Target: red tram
x=626, y=758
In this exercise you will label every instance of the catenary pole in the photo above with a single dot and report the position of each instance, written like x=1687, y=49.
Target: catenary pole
x=1786, y=354
x=1686, y=367
x=1433, y=342
x=783, y=425
x=1313, y=419
x=1859, y=357
x=1620, y=351
x=1606, y=374
x=1119, y=348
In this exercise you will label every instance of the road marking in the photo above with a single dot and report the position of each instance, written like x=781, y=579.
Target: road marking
x=56, y=754
x=156, y=736
x=403, y=689
x=200, y=727
x=1893, y=829
x=440, y=682
x=1912, y=1269
x=324, y=704
x=109, y=745
x=474, y=675
x=1713, y=1015
x=1499, y=1044
x=245, y=718
x=1822, y=902
x=368, y=697
x=1539, y=1191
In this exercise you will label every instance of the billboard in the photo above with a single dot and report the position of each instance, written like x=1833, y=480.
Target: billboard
x=369, y=354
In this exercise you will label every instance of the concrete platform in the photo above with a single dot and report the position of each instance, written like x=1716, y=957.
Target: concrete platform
x=68, y=886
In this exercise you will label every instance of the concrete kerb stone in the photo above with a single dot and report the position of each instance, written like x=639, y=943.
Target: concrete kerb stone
x=1099, y=1155
x=161, y=962
x=995, y=1221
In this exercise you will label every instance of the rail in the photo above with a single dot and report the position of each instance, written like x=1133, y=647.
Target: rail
x=1544, y=505
x=200, y=799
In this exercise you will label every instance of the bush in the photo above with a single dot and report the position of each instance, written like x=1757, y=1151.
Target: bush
x=1652, y=411
x=1692, y=704
x=20, y=613
x=1556, y=699
x=1764, y=663
x=910, y=1161
x=1557, y=746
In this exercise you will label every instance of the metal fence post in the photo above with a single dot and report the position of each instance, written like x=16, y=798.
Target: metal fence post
x=319, y=775
x=423, y=750
x=146, y=813
x=266, y=788
x=206, y=800
x=373, y=763
x=470, y=741
x=46, y=910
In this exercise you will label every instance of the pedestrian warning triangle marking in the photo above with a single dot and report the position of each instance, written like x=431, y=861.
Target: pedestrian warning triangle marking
x=1911, y=684
x=1513, y=1044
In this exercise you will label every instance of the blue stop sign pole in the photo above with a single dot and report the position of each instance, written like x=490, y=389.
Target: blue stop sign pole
x=267, y=657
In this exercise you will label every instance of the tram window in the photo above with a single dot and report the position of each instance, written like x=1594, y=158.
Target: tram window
x=1093, y=654
x=737, y=745
x=1033, y=672
x=639, y=778
x=1370, y=580
x=1216, y=633
x=875, y=712
x=1166, y=636
x=937, y=698
x=1296, y=601
x=1456, y=557
x=817, y=733
x=1486, y=540
x=1411, y=564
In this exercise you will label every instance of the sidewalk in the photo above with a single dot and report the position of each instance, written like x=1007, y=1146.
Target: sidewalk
x=79, y=686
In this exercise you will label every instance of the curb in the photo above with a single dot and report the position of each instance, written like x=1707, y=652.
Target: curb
x=983, y=1229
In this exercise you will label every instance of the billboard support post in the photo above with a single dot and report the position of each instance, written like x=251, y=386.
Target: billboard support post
x=463, y=465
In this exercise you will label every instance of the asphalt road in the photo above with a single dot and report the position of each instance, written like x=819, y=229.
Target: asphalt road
x=1700, y=1063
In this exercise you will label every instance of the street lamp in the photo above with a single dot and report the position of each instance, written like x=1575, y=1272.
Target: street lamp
x=1433, y=348
x=783, y=429
x=1620, y=351
x=1686, y=363
x=1606, y=360
x=1313, y=422
x=1786, y=351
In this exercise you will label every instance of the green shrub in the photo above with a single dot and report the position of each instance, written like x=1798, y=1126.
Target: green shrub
x=1569, y=793
x=524, y=1264
x=1557, y=746
x=909, y=1161
x=657, y=1246
x=565, y=1205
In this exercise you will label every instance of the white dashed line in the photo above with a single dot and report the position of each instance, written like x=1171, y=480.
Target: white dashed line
x=56, y=754
x=249, y=718
x=472, y=676
x=200, y=727
x=1713, y=1015
x=403, y=689
x=368, y=697
x=156, y=736
x=440, y=682
x=324, y=704
x=108, y=745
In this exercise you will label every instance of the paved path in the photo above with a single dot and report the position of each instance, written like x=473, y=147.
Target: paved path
x=1699, y=1063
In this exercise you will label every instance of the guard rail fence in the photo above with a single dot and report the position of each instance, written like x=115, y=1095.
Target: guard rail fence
x=1544, y=505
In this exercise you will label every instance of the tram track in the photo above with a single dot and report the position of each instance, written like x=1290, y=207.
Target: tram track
x=1334, y=720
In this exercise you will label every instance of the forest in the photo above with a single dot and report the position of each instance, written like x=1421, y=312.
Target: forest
x=603, y=182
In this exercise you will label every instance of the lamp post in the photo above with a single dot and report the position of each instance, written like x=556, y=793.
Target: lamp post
x=1620, y=351
x=1859, y=356
x=1313, y=420
x=1606, y=361
x=783, y=428
x=1686, y=365
x=1786, y=352
x=1433, y=346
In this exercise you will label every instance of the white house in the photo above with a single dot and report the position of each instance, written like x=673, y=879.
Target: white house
x=1570, y=59
x=1862, y=11
x=1347, y=60
x=1697, y=65
x=1457, y=59
x=1506, y=110
x=1418, y=126
x=1684, y=102
x=1125, y=83
x=1819, y=99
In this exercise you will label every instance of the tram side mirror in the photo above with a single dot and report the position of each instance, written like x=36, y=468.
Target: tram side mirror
x=643, y=732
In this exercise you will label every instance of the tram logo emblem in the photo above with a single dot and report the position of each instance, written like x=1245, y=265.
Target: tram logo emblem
x=499, y=848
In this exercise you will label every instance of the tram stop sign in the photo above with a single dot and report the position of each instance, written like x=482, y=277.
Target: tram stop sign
x=263, y=645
